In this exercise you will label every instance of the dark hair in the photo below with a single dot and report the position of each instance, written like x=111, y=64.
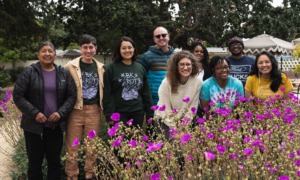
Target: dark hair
x=46, y=43
x=216, y=60
x=173, y=75
x=205, y=60
x=87, y=39
x=233, y=40
x=276, y=78
x=117, y=55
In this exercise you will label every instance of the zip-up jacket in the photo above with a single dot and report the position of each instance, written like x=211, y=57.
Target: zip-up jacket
x=29, y=97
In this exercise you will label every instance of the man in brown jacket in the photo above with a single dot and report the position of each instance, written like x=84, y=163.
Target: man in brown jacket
x=87, y=73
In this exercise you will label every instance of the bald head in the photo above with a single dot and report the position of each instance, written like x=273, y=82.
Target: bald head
x=161, y=38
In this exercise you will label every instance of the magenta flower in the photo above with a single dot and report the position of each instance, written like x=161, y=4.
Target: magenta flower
x=189, y=158
x=115, y=116
x=291, y=136
x=248, y=114
x=174, y=111
x=240, y=166
x=138, y=162
x=210, y=135
x=248, y=151
x=282, y=89
x=170, y=178
x=168, y=156
x=112, y=131
x=246, y=139
x=194, y=110
x=283, y=178
x=155, y=176
x=200, y=120
x=128, y=165
x=154, y=108
x=145, y=138
x=132, y=143
x=185, y=138
x=298, y=173
x=297, y=162
x=221, y=149
x=154, y=147
x=92, y=134
x=149, y=121
x=185, y=120
x=298, y=152
x=76, y=142
x=129, y=122
x=186, y=100
x=209, y=156
x=291, y=155
x=162, y=108
x=233, y=156
x=117, y=142
x=172, y=132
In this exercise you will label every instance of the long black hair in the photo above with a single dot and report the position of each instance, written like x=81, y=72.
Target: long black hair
x=275, y=77
x=205, y=59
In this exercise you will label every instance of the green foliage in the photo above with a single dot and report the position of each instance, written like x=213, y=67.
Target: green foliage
x=5, y=78
x=14, y=73
x=20, y=160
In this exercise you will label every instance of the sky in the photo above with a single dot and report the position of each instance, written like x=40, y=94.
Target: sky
x=277, y=2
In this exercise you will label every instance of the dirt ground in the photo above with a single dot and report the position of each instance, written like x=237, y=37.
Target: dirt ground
x=5, y=162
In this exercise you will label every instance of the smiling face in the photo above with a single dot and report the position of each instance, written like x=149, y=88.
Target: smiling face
x=236, y=48
x=185, y=68
x=161, y=37
x=198, y=52
x=88, y=51
x=221, y=70
x=126, y=51
x=46, y=55
x=264, y=64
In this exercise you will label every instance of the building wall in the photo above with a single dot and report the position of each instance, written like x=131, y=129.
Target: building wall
x=58, y=61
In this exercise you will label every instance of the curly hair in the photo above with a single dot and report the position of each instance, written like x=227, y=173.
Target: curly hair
x=216, y=60
x=205, y=60
x=173, y=75
x=117, y=54
x=275, y=76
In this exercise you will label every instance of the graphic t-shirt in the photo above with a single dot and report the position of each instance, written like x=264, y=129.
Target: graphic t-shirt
x=212, y=91
x=240, y=68
x=90, y=83
x=260, y=87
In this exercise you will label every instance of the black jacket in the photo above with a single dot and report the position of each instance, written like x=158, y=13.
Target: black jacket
x=28, y=95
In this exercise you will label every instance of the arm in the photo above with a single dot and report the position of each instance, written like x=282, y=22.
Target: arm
x=147, y=97
x=108, y=97
x=164, y=94
x=144, y=62
x=21, y=90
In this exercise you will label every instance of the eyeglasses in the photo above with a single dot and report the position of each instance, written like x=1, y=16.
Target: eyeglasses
x=182, y=65
x=222, y=68
x=161, y=35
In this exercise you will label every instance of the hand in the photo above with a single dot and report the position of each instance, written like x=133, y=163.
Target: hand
x=54, y=117
x=40, y=117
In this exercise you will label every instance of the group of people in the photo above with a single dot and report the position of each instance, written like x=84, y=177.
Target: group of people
x=53, y=99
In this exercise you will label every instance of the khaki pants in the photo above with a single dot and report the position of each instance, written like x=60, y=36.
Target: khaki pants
x=80, y=123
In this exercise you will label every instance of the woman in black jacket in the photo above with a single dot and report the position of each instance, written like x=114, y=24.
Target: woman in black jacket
x=45, y=94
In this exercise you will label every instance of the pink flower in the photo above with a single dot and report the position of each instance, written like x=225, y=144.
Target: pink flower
x=138, y=162
x=194, y=110
x=112, y=131
x=155, y=176
x=248, y=151
x=174, y=111
x=221, y=149
x=154, y=147
x=129, y=122
x=186, y=100
x=241, y=166
x=149, y=121
x=233, y=156
x=117, y=142
x=189, y=157
x=210, y=135
x=185, y=138
x=172, y=132
x=76, y=142
x=209, y=156
x=162, y=108
x=282, y=89
x=283, y=178
x=115, y=116
x=132, y=143
x=92, y=134
x=200, y=120
x=145, y=138
x=298, y=173
x=154, y=108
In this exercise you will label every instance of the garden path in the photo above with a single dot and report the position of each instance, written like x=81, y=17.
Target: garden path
x=5, y=161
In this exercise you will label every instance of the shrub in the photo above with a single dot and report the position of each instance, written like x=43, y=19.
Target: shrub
x=260, y=142
x=4, y=78
x=14, y=73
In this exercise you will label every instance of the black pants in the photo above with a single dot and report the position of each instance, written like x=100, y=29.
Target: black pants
x=48, y=145
x=138, y=118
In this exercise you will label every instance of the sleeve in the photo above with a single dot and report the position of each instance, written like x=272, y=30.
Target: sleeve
x=19, y=94
x=164, y=94
x=204, y=92
x=70, y=101
x=248, y=86
x=147, y=97
x=143, y=60
x=108, y=97
x=288, y=86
